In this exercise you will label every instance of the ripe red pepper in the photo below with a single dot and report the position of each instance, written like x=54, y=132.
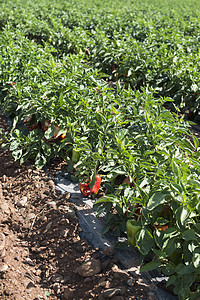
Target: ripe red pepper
x=55, y=134
x=96, y=185
x=63, y=136
x=162, y=228
x=86, y=190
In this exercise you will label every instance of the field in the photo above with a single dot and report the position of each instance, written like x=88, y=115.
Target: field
x=108, y=87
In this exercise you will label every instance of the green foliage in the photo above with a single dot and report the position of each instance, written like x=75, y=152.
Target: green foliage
x=90, y=81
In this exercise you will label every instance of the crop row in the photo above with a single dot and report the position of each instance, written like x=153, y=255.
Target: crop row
x=57, y=67
x=139, y=46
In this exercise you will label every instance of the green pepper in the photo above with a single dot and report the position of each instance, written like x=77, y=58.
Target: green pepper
x=75, y=156
x=132, y=230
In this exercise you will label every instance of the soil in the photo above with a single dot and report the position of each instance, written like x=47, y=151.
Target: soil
x=44, y=256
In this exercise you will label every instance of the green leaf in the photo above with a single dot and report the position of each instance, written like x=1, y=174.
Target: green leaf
x=24, y=157
x=153, y=265
x=189, y=235
x=93, y=179
x=4, y=146
x=40, y=161
x=182, y=215
x=169, y=246
x=157, y=199
x=46, y=148
x=159, y=253
x=15, y=121
x=186, y=270
x=196, y=258
x=104, y=199
x=144, y=241
x=17, y=154
x=50, y=132
x=14, y=145
x=171, y=280
x=195, y=141
x=176, y=187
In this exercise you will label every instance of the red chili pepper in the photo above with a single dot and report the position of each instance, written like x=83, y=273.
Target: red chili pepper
x=162, y=228
x=63, y=136
x=86, y=190
x=113, y=68
x=96, y=185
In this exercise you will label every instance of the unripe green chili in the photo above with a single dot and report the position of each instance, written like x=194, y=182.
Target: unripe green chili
x=132, y=230
x=75, y=156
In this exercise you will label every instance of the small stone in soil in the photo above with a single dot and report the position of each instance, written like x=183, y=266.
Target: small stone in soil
x=109, y=251
x=2, y=252
x=31, y=216
x=3, y=267
x=152, y=296
x=29, y=262
x=68, y=293
x=4, y=178
x=56, y=278
x=70, y=213
x=22, y=202
x=5, y=208
x=131, y=282
x=89, y=268
x=52, y=204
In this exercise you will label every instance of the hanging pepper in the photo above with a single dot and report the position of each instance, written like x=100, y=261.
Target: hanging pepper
x=132, y=230
x=86, y=190
x=75, y=155
x=96, y=185
x=63, y=136
x=162, y=228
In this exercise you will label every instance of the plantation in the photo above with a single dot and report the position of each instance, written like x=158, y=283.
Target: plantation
x=106, y=87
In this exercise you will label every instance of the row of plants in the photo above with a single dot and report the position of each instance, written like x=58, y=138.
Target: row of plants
x=155, y=45
x=115, y=138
